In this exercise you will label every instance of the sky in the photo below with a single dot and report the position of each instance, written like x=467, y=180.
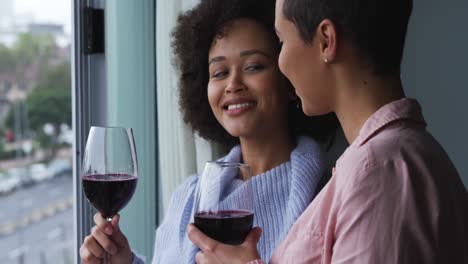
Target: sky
x=54, y=11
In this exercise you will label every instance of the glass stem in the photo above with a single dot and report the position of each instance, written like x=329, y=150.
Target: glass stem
x=107, y=259
x=107, y=256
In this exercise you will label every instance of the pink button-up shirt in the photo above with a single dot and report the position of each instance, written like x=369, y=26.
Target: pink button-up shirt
x=395, y=197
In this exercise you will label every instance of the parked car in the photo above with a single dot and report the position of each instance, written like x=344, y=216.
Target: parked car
x=66, y=137
x=40, y=173
x=60, y=167
x=23, y=174
x=8, y=183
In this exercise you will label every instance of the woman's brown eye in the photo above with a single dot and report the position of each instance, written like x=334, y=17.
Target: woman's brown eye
x=219, y=74
x=254, y=67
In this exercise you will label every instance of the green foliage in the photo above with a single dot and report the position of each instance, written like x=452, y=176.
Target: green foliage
x=6, y=154
x=44, y=140
x=7, y=59
x=50, y=102
x=10, y=119
x=29, y=48
x=58, y=77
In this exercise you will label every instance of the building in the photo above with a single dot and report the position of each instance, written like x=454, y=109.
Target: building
x=6, y=12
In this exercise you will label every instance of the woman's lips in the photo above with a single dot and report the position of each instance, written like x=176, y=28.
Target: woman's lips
x=237, y=109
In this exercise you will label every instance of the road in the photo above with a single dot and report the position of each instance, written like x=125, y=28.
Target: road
x=25, y=200
x=36, y=224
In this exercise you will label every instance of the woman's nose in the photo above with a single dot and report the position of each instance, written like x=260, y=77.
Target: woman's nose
x=235, y=84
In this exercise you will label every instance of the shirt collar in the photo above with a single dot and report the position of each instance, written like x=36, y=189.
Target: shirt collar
x=404, y=109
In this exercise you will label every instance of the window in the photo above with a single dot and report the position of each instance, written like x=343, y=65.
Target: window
x=36, y=137
x=117, y=88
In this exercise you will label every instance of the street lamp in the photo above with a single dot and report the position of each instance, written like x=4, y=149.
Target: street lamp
x=16, y=96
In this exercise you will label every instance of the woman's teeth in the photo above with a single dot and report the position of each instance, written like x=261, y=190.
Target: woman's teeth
x=238, y=106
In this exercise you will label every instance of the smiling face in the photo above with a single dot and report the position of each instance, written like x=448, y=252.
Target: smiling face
x=303, y=64
x=246, y=91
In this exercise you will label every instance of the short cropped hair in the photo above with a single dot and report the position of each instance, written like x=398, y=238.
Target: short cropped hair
x=376, y=29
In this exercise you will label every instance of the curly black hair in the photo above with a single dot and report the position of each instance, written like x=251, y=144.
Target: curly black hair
x=191, y=42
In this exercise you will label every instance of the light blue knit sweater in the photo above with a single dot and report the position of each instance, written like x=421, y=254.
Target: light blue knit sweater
x=281, y=195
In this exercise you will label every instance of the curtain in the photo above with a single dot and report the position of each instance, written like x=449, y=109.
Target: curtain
x=181, y=153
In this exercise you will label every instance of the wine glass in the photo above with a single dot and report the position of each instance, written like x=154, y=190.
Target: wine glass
x=110, y=169
x=224, y=202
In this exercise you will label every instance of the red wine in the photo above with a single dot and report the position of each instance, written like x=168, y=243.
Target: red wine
x=228, y=227
x=109, y=193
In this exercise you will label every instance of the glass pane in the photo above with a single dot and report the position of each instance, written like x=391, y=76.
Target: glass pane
x=131, y=97
x=36, y=195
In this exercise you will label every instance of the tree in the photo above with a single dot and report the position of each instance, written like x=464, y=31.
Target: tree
x=7, y=60
x=30, y=48
x=50, y=101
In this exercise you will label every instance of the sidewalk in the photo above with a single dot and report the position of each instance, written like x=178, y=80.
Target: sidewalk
x=15, y=163
x=64, y=153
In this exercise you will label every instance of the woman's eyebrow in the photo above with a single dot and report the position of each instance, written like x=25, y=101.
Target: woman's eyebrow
x=216, y=59
x=254, y=51
x=242, y=54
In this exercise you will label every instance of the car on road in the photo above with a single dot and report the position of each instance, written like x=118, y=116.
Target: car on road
x=8, y=183
x=40, y=173
x=24, y=174
x=60, y=167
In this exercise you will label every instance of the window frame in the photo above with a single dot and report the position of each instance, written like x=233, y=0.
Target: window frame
x=88, y=108
x=103, y=97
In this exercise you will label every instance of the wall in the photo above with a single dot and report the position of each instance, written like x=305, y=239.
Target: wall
x=435, y=71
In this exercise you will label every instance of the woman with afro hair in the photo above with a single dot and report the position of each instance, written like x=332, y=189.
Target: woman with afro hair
x=233, y=93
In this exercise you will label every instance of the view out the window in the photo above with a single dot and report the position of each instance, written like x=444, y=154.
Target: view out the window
x=36, y=215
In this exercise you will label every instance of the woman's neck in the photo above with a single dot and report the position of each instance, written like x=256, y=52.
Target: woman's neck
x=265, y=152
x=360, y=96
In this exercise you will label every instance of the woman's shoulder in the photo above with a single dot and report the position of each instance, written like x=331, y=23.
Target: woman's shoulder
x=171, y=234
x=325, y=153
x=186, y=188
x=307, y=146
x=307, y=159
x=310, y=159
x=180, y=205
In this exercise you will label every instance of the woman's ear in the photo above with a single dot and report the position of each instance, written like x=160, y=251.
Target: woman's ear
x=327, y=38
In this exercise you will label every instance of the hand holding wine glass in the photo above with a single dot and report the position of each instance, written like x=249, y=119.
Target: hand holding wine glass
x=109, y=177
x=224, y=202
x=224, y=215
x=106, y=245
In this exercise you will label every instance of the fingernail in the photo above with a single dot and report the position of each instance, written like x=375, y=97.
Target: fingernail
x=109, y=230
